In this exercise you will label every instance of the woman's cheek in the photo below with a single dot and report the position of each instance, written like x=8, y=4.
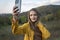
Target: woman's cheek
x=33, y=18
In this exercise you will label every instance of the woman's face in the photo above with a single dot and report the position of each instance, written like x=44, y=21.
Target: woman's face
x=33, y=16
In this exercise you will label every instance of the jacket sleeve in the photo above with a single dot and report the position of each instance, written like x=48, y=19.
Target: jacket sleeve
x=45, y=32
x=17, y=29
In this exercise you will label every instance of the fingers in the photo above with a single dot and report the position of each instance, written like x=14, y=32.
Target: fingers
x=15, y=7
x=15, y=10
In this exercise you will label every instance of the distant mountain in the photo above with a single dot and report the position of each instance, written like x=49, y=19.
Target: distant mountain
x=44, y=10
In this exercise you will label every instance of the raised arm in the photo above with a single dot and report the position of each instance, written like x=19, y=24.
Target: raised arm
x=16, y=28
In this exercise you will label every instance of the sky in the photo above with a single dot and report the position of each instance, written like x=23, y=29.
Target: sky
x=6, y=6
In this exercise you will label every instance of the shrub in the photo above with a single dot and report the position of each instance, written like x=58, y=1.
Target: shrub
x=22, y=19
x=48, y=17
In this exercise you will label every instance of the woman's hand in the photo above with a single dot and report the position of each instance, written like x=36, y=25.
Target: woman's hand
x=15, y=13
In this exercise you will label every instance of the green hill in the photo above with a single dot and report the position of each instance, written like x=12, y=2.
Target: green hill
x=50, y=17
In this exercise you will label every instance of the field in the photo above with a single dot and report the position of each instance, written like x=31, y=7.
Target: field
x=52, y=26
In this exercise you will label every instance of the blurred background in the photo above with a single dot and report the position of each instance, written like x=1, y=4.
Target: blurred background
x=50, y=17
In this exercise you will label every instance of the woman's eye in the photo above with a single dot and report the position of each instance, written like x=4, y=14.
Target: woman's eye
x=30, y=14
x=33, y=14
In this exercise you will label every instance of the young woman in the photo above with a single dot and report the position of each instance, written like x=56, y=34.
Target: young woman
x=33, y=29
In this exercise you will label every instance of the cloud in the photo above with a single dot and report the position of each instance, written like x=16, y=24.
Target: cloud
x=52, y=1
x=27, y=5
x=55, y=2
x=7, y=5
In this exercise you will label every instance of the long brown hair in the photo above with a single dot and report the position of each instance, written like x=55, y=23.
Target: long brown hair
x=33, y=26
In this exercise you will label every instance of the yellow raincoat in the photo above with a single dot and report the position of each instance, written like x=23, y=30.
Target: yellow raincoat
x=25, y=29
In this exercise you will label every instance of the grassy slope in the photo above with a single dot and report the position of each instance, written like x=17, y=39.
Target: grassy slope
x=52, y=26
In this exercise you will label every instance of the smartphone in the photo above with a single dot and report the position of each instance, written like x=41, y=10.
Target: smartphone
x=18, y=4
